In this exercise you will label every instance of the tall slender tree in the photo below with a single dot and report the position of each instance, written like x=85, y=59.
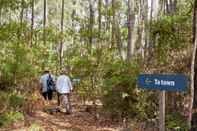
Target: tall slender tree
x=45, y=22
x=100, y=16
x=22, y=11
x=116, y=34
x=170, y=6
x=91, y=24
x=118, y=38
x=193, y=105
x=113, y=35
x=143, y=27
x=130, y=45
x=20, y=31
x=32, y=22
x=73, y=19
x=1, y=11
x=107, y=15
x=62, y=32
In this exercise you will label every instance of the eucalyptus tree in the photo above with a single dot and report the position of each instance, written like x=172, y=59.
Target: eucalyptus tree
x=45, y=22
x=131, y=23
x=100, y=2
x=193, y=106
x=91, y=22
x=22, y=12
x=32, y=21
x=62, y=32
x=107, y=16
x=113, y=23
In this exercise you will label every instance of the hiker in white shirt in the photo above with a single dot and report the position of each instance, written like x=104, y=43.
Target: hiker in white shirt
x=64, y=88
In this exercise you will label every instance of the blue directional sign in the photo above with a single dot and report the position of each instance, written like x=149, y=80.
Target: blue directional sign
x=76, y=81
x=176, y=82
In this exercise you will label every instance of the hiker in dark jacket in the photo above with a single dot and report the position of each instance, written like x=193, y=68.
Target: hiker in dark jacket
x=46, y=90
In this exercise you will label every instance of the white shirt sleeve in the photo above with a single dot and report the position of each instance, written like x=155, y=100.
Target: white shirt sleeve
x=58, y=83
x=70, y=84
x=53, y=77
x=41, y=80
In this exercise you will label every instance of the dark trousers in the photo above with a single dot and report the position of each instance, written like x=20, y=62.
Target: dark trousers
x=48, y=95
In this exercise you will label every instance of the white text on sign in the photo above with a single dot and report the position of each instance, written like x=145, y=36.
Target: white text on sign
x=164, y=82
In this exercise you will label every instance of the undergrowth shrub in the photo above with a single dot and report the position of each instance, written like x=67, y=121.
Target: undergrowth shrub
x=35, y=127
x=3, y=101
x=16, y=101
x=10, y=117
x=11, y=101
x=176, y=122
x=121, y=96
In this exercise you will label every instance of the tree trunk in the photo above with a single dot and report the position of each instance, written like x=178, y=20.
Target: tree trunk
x=20, y=31
x=91, y=24
x=45, y=21
x=155, y=8
x=119, y=39
x=1, y=10
x=170, y=6
x=99, y=17
x=167, y=7
x=163, y=7
x=151, y=12
x=32, y=22
x=194, y=20
x=148, y=30
x=174, y=6
x=62, y=30
x=107, y=17
x=193, y=105
x=73, y=20
x=116, y=34
x=113, y=24
x=143, y=29
x=130, y=45
x=22, y=13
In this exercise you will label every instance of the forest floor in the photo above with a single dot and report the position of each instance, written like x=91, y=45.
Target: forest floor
x=80, y=120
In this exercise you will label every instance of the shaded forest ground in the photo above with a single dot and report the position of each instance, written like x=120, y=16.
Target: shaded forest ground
x=84, y=118
x=39, y=118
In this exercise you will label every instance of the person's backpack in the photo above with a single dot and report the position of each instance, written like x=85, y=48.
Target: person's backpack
x=50, y=83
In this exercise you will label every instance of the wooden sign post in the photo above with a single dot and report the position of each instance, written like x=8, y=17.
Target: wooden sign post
x=177, y=82
x=162, y=111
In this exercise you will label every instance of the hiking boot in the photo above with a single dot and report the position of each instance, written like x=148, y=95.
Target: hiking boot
x=68, y=112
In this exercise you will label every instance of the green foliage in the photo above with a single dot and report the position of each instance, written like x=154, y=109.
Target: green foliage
x=176, y=122
x=16, y=101
x=35, y=127
x=119, y=88
x=120, y=72
x=16, y=56
x=14, y=62
x=10, y=100
x=10, y=4
x=86, y=69
x=10, y=117
x=20, y=63
x=170, y=33
x=4, y=101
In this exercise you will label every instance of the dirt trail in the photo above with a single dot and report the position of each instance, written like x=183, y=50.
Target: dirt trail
x=79, y=120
